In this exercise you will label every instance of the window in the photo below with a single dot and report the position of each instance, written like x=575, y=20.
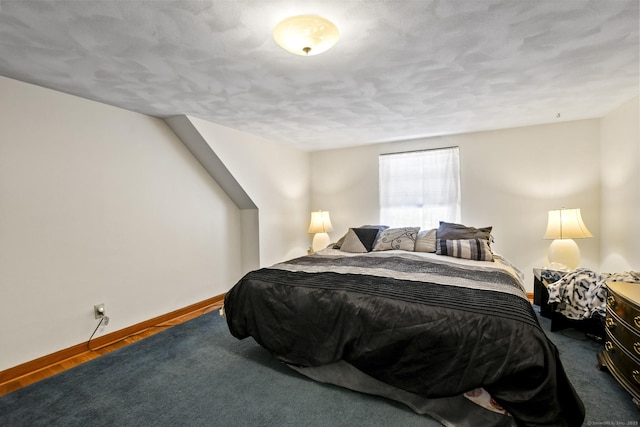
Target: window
x=420, y=188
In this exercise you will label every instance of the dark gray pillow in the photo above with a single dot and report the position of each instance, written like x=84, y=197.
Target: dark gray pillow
x=452, y=231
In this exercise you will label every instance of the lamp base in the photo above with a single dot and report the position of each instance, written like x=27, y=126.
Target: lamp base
x=320, y=241
x=564, y=252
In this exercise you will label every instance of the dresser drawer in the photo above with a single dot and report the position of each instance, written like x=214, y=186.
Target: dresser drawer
x=621, y=354
x=624, y=309
x=624, y=367
x=627, y=336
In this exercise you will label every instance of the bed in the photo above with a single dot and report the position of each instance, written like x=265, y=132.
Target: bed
x=450, y=337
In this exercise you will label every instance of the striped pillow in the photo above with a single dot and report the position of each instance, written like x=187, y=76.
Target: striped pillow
x=475, y=249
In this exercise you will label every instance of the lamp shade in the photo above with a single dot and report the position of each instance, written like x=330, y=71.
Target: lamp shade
x=306, y=35
x=320, y=222
x=566, y=224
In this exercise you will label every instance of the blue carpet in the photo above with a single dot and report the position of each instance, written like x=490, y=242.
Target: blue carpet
x=606, y=402
x=197, y=374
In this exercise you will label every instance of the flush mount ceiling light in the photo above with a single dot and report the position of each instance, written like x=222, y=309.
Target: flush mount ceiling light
x=306, y=35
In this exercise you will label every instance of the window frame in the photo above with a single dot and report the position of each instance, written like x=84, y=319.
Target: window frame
x=417, y=206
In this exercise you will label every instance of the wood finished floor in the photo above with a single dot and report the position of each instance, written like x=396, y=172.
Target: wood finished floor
x=56, y=368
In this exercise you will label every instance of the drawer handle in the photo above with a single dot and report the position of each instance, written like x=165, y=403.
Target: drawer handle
x=611, y=301
x=636, y=376
x=636, y=347
x=611, y=324
x=608, y=346
x=636, y=320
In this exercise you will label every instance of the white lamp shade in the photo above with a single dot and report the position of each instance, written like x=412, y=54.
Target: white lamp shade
x=320, y=222
x=306, y=35
x=566, y=224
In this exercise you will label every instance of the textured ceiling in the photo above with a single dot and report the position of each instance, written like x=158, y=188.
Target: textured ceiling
x=402, y=69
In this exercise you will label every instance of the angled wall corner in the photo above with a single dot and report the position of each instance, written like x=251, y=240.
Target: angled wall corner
x=193, y=140
x=202, y=151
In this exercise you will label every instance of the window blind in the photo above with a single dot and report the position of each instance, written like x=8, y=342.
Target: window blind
x=420, y=188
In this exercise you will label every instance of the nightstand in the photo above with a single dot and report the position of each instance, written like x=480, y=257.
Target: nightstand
x=621, y=354
x=541, y=279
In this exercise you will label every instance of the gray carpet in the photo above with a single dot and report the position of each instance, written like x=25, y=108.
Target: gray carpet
x=197, y=374
x=605, y=401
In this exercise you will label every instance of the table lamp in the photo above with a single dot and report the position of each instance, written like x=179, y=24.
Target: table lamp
x=563, y=226
x=320, y=225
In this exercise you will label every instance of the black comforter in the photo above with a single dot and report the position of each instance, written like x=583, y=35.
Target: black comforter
x=426, y=325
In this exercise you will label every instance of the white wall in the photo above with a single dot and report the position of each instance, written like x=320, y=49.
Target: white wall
x=276, y=178
x=100, y=204
x=509, y=180
x=620, y=170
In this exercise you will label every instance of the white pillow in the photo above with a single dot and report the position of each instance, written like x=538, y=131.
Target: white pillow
x=426, y=241
x=397, y=238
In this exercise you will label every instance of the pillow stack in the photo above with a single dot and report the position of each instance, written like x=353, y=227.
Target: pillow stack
x=460, y=241
x=378, y=238
x=448, y=239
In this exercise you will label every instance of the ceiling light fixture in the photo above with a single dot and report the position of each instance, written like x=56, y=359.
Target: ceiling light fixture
x=306, y=35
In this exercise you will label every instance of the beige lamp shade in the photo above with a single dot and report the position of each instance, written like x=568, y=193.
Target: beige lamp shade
x=320, y=222
x=563, y=226
x=566, y=224
x=306, y=35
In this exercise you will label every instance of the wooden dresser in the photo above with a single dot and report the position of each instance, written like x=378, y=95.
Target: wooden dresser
x=621, y=354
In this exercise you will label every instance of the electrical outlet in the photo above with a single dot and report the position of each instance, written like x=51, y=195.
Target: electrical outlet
x=98, y=310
